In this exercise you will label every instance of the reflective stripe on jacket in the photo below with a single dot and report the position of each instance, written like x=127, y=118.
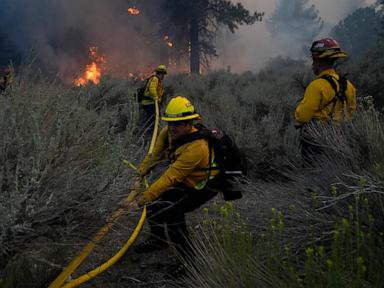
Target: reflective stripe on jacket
x=153, y=90
x=317, y=101
x=189, y=165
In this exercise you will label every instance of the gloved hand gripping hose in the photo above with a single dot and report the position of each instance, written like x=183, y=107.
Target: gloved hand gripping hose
x=76, y=262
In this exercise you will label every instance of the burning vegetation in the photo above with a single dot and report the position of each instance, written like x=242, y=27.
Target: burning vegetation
x=168, y=41
x=133, y=10
x=93, y=70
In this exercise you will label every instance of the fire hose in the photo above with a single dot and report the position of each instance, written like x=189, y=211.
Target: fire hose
x=78, y=260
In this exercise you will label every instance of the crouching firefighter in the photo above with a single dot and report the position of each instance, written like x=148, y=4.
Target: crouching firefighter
x=185, y=184
x=330, y=98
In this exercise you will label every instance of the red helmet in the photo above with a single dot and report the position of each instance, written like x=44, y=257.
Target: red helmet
x=327, y=48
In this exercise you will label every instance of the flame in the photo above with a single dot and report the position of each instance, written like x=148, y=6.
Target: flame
x=133, y=10
x=168, y=41
x=93, y=71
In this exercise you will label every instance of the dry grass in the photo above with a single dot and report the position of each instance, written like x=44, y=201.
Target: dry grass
x=61, y=173
x=60, y=164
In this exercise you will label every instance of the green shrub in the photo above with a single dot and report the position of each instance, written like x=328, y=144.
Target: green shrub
x=349, y=255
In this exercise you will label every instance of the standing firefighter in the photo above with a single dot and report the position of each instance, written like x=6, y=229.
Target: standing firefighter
x=152, y=91
x=183, y=186
x=328, y=98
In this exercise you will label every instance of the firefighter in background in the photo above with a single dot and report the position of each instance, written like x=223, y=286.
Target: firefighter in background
x=154, y=90
x=328, y=98
x=5, y=78
x=183, y=187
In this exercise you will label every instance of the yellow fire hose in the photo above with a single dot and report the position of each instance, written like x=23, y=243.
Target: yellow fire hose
x=76, y=262
x=88, y=276
x=155, y=130
x=92, y=244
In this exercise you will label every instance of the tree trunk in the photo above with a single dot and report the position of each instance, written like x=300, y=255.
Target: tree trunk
x=195, y=49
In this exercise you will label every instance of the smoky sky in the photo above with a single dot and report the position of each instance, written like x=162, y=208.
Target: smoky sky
x=253, y=46
x=59, y=32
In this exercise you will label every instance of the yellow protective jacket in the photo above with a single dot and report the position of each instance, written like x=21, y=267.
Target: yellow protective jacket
x=187, y=165
x=318, y=94
x=153, y=90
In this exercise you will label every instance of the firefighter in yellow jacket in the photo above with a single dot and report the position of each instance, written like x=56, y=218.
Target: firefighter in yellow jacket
x=328, y=98
x=154, y=90
x=183, y=186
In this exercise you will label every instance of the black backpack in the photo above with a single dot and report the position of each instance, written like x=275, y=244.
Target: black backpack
x=339, y=93
x=141, y=91
x=230, y=160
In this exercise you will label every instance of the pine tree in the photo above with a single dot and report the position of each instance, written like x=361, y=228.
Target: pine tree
x=359, y=31
x=195, y=24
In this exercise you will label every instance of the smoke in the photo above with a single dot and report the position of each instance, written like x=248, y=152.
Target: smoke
x=334, y=11
x=61, y=32
x=253, y=46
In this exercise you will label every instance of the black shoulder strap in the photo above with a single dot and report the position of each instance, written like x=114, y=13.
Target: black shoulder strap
x=146, y=87
x=343, y=82
x=331, y=82
x=202, y=133
x=149, y=79
x=187, y=139
x=339, y=93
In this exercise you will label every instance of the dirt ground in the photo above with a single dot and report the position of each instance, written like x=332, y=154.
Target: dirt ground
x=132, y=270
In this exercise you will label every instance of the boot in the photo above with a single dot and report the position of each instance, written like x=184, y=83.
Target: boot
x=156, y=240
x=151, y=244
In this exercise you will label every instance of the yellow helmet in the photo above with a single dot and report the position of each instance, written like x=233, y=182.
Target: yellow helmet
x=179, y=108
x=161, y=69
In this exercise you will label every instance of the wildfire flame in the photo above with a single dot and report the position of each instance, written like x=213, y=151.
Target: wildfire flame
x=93, y=70
x=133, y=10
x=168, y=41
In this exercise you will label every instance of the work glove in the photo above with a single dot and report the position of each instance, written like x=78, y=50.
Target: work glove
x=144, y=168
x=136, y=189
x=141, y=171
x=143, y=199
x=138, y=186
